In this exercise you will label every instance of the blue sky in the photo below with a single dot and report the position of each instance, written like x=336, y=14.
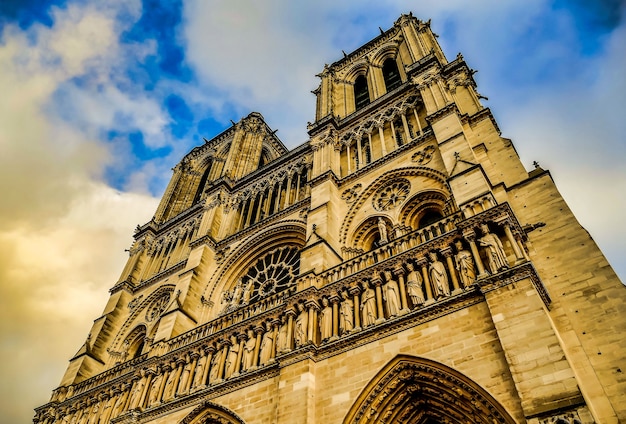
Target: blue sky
x=101, y=99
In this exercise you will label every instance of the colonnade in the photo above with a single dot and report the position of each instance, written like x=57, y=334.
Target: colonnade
x=167, y=251
x=279, y=195
x=362, y=147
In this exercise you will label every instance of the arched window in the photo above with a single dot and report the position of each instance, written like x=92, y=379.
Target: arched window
x=430, y=216
x=361, y=92
x=391, y=75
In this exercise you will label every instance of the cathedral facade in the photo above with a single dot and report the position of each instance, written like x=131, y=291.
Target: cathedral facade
x=401, y=266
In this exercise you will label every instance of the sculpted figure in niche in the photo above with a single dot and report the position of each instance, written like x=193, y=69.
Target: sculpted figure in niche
x=120, y=401
x=494, y=249
x=391, y=295
x=301, y=326
x=382, y=231
x=93, y=414
x=346, y=314
x=184, y=377
x=266, y=345
x=237, y=293
x=282, y=345
x=465, y=265
x=414, y=286
x=326, y=320
x=199, y=372
x=170, y=384
x=248, y=351
x=153, y=398
x=136, y=393
x=225, y=302
x=247, y=293
x=215, y=366
x=438, y=276
x=231, y=359
x=368, y=306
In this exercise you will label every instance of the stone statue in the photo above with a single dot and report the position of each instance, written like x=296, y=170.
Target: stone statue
x=414, y=285
x=382, y=231
x=136, y=393
x=225, y=302
x=282, y=337
x=391, y=295
x=215, y=366
x=438, y=276
x=248, y=351
x=346, y=314
x=326, y=320
x=368, y=306
x=301, y=327
x=170, y=385
x=199, y=372
x=237, y=293
x=247, y=292
x=465, y=265
x=495, y=251
x=184, y=377
x=266, y=345
x=95, y=409
x=231, y=359
x=118, y=408
x=153, y=398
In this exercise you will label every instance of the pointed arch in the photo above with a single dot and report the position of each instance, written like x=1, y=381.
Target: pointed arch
x=211, y=413
x=417, y=390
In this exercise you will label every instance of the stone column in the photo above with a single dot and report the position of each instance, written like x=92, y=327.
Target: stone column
x=399, y=273
x=506, y=224
x=290, y=342
x=241, y=339
x=422, y=263
x=335, y=299
x=355, y=292
x=194, y=361
x=470, y=236
x=220, y=366
x=258, y=331
x=381, y=133
x=142, y=399
x=447, y=253
x=417, y=119
x=378, y=282
x=405, y=124
x=209, y=351
x=359, y=152
x=313, y=307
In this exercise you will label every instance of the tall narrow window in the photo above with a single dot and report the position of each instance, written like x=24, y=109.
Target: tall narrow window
x=391, y=75
x=361, y=93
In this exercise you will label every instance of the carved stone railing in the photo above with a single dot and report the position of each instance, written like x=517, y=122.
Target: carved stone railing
x=392, y=248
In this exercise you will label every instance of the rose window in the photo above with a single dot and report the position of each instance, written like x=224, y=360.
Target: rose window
x=273, y=273
x=392, y=195
x=157, y=307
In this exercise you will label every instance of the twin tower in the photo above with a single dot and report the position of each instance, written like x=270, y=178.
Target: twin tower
x=401, y=266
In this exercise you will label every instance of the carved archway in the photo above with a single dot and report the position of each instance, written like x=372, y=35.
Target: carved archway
x=421, y=391
x=211, y=413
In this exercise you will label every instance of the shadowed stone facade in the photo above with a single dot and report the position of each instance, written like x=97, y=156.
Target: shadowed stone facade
x=401, y=266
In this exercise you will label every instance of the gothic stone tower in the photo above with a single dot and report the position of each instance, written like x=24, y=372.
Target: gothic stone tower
x=401, y=266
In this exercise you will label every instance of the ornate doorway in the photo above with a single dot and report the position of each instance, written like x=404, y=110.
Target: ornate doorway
x=411, y=390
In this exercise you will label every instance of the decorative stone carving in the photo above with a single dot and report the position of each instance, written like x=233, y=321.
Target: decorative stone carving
x=346, y=314
x=368, y=306
x=495, y=252
x=326, y=320
x=248, y=351
x=438, y=276
x=157, y=307
x=301, y=327
x=414, y=283
x=382, y=231
x=351, y=194
x=465, y=265
x=391, y=295
x=267, y=342
x=392, y=195
x=423, y=156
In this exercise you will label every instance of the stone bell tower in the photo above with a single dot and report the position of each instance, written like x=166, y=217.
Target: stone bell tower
x=401, y=266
